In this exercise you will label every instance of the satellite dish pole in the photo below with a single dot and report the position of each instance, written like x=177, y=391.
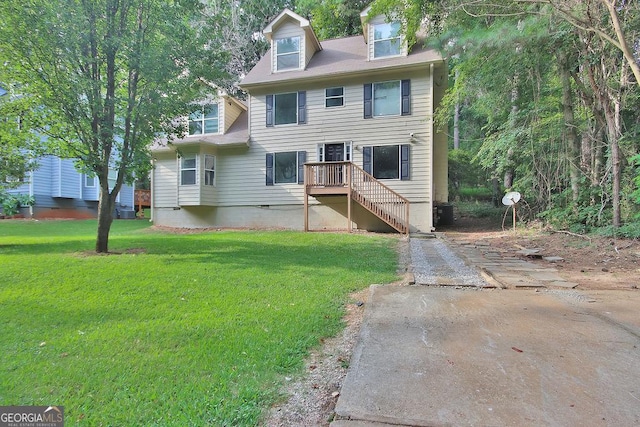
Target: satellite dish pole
x=511, y=199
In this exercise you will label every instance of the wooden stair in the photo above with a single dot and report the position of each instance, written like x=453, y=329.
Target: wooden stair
x=331, y=178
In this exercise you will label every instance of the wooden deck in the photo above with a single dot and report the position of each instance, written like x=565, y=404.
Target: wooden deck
x=345, y=178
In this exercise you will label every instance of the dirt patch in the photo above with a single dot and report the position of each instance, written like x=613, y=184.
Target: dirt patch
x=592, y=262
x=313, y=397
x=131, y=251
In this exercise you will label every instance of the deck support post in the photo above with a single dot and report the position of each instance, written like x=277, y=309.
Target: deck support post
x=348, y=176
x=306, y=209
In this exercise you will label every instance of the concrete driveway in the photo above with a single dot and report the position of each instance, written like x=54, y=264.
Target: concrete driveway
x=434, y=356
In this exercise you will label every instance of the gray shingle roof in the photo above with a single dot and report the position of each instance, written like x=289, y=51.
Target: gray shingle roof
x=237, y=134
x=338, y=57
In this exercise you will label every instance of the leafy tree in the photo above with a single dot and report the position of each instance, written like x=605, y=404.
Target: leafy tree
x=109, y=75
x=333, y=18
x=551, y=89
x=16, y=144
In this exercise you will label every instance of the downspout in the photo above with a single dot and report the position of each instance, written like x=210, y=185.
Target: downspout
x=433, y=142
x=31, y=195
x=178, y=182
x=153, y=192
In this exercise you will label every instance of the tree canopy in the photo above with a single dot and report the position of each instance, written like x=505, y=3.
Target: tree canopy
x=108, y=76
x=546, y=96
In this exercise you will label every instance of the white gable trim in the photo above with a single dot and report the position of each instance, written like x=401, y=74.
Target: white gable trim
x=302, y=22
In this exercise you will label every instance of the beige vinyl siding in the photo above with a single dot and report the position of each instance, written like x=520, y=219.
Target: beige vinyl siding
x=309, y=51
x=341, y=124
x=289, y=29
x=229, y=113
x=208, y=194
x=241, y=171
x=381, y=19
x=165, y=180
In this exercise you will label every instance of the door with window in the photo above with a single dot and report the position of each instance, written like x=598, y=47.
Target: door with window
x=334, y=173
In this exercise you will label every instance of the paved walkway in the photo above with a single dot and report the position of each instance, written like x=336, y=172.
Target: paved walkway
x=461, y=354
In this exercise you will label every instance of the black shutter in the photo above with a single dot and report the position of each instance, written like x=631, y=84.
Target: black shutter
x=302, y=107
x=368, y=101
x=366, y=160
x=269, y=110
x=269, y=168
x=404, y=162
x=302, y=158
x=406, y=97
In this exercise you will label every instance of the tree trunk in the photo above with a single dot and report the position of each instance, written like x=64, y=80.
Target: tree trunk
x=456, y=121
x=456, y=127
x=105, y=219
x=570, y=125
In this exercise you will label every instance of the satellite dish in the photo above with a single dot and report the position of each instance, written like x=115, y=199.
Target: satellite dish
x=511, y=198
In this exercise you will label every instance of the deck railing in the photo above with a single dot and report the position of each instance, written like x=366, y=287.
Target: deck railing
x=346, y=177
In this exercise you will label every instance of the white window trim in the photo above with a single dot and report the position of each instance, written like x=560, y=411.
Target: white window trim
x=348, y=150
x=203, y=119
x=275, y=103
x=86, y=177
x=373, y=172
x=205, y=170
x=275, y=168
x=373, y=100
x=195, y=168
x=334, y=97
x=399, y=37
x=277, y=54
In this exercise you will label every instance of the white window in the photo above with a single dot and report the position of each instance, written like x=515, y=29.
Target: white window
x=386, y=40
x=209, y=169
x=285, y=167
x=89, y=181
x=334, y=97
x=112, y=177
x=286, y=108
x=188, y=170
x=288, y=53
x=386, y=98
x=386, y=162
x=204, y=120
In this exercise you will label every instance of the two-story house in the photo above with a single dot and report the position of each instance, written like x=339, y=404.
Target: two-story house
x=338, y=134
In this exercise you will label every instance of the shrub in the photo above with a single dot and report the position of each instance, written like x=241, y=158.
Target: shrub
x=11, y=203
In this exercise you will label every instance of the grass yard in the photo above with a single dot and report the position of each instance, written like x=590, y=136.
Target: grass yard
x=179, y=329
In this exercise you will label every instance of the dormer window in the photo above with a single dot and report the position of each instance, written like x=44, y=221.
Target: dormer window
x=288, y=53
x=386, y=40
x=204, y=120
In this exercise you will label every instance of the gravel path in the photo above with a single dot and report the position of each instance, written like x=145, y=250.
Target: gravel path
x=434, y=263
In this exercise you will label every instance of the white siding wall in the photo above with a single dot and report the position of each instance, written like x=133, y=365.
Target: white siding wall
x=165, y=180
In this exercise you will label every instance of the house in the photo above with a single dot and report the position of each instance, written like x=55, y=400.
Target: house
x=61, y=191
x=336, y=134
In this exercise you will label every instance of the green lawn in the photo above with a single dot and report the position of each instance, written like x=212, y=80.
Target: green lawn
x=179, y=329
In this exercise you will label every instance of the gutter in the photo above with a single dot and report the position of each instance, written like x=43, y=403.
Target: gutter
x=318, y=78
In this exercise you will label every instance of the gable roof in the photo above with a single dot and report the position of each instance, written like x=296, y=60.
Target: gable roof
x=340, y=57
x=2, y=91
x=237, y=134
x=286, y=15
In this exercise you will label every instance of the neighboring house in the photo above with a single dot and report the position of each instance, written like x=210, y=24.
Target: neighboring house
x=60, y=191
x=340, y=135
